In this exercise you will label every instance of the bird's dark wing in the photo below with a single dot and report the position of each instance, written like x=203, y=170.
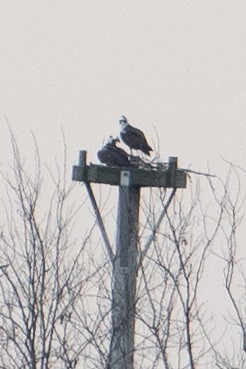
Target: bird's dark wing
x=135, y=139
x=136, y=133
x=112, y=155
x=119, y=156
x=103, y=156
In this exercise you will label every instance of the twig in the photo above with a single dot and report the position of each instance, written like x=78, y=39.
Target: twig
x=198, y=173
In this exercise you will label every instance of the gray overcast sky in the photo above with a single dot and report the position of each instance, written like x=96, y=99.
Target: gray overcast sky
x=178, y=66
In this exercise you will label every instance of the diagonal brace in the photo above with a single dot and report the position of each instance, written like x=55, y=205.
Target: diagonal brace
x=156, y=227
x=100, y=222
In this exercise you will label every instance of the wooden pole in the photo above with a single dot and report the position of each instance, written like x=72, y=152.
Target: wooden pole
x=125, y=273
x=125, y=260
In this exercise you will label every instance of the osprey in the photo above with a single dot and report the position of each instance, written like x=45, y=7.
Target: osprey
x=133, y=137
x=112, y=155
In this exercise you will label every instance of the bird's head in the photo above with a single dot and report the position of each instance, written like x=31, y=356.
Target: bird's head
x=113, y=140
x=123, y=122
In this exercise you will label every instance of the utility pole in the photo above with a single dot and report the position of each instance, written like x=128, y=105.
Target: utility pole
x=126, y=258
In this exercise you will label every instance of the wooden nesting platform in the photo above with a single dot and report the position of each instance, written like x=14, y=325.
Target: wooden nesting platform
x=168, y=177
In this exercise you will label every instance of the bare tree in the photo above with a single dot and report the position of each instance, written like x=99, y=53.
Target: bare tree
x=233, y=257
x=43, y=269
x=168, y=306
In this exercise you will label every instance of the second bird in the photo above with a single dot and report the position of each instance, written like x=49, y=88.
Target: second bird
x=113, y=155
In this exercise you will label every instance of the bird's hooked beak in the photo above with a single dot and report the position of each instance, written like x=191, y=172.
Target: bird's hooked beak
x=113, y=140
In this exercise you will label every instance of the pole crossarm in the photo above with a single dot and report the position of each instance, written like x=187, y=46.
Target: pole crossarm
x=165, y=176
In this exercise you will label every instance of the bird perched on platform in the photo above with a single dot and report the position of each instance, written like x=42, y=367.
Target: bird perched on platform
x=133, y=137
x=112, y=155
